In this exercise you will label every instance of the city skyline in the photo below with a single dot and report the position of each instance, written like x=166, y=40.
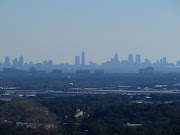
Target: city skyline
x=133, y=64
x=87, y=67
x=88, y=59
x=81, y=60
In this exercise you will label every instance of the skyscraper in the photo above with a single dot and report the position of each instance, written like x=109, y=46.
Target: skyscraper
x=45, y=62
x=83, y=59
x=77, y=60
x=50, y=63
x=7, y=63
x=21, y=61
x=15, y=63
x=164, y=60
x=138, y=58
x=130, y=58
x=116, y=58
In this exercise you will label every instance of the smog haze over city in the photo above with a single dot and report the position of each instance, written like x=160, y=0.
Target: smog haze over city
x=60, y=30
x=89, y=67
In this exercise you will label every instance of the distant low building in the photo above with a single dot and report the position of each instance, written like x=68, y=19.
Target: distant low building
x=148, y=70
x=99, y=71
x=8, y=70
x=32, y=70
x=82, y=71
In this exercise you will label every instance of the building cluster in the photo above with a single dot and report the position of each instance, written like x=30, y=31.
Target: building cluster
x=77, y=60
x=16, y=64
x=114, y=65
x=134, y=63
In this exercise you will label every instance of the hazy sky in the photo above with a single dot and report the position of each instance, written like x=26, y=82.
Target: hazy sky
x=61, y=29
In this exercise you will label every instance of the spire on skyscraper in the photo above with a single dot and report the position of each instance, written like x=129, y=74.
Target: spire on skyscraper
x=83, y=59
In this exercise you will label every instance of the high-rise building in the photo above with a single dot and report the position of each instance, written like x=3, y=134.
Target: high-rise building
x=116, y=58
x=138, y=58
x=50, y=63
x=15, y=63
x=77, y=60
x=45, y=62
x=83, y=59
x=147, y=62
x=161, y=61
x=130, y=58
x=21, y=61
x=7, y=63
x=164, y=60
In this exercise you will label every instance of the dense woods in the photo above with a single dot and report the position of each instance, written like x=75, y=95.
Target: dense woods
x=102, y=115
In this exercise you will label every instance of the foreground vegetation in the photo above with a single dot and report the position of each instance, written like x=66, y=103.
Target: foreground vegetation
x=102, y=115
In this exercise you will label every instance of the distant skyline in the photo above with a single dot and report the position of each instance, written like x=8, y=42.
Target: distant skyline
x=134, y=64
x=61, y=30
x=81, y=60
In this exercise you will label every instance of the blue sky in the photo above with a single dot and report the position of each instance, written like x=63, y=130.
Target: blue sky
x=61, y=29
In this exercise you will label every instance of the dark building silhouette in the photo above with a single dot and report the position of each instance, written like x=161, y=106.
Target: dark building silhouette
x=164, y=60
x=148, y=70
x=116, y=59
x=99, y=71
x=138, y=58
x=21, y=60
x=7, y=63
x=82, y=71
x=15, y=63
x=83, y=59
x=8, y=70
x=50, y=63
x=32, y=70
x=130, y=58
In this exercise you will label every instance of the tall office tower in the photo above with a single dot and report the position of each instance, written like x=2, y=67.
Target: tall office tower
x=7, y=63
x=146, y=61
x=116, y=58
x=164, y=60
x=138, y=58
x=15, y=63
x=161, y=61
x=83, y=59
x=50, y=62
x=130, y=58
x=21, y=61
x=45, y=63
x=77, y=60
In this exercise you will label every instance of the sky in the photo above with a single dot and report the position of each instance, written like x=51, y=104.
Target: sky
x=62, y=29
